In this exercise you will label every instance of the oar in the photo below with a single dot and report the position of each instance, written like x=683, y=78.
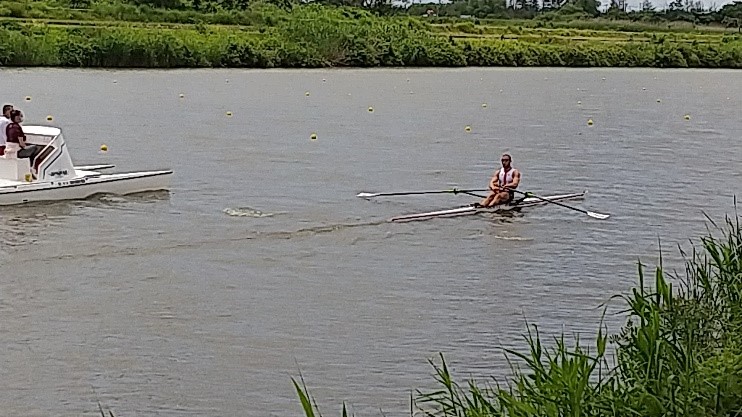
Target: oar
x=452, y=191
x=592, y=214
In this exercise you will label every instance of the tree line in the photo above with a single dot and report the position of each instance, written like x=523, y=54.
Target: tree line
x=692, y=11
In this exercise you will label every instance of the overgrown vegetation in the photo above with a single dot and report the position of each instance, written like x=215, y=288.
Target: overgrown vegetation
x=284, y=33
x=679, y=353
x=320, y=36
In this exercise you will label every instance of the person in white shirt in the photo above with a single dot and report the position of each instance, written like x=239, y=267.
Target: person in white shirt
x=4, y=122
x=502, y=184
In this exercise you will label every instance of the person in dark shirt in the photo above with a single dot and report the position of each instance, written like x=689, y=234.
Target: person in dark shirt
x=14, y=136
x=16, y=139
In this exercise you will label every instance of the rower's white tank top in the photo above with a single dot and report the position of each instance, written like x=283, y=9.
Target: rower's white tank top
x=506, y=178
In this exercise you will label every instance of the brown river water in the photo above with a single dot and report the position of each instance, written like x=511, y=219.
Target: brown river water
x=262, y=263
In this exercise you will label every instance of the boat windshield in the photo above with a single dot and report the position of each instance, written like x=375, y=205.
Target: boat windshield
x=38, y=139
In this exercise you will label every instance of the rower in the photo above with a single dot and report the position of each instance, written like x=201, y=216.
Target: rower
x=502, y=184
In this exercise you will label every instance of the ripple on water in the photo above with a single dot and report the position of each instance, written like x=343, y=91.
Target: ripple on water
x=20, y=229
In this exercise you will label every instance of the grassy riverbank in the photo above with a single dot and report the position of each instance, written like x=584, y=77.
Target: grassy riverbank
x=266, y=36
x=679, y=353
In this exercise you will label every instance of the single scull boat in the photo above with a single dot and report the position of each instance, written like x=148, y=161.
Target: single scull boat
x=471, y=209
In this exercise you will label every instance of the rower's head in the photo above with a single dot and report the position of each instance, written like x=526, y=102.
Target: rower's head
x=7, y=109
x=16, y=116
x=506, y=159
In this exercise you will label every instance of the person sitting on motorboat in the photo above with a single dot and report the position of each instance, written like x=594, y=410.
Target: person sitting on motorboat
x=4, y=122
x=16, y=140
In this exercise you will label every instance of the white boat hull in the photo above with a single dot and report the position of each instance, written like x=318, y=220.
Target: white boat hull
x=84, y=186
x=469, y=210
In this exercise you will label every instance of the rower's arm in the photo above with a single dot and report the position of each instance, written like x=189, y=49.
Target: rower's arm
x=515, y=182
x=495, y=182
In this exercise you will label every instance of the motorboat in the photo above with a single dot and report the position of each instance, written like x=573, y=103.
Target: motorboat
x=56, y=178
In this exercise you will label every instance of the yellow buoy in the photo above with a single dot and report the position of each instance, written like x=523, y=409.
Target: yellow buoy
x=28, y=98
x=28, y=177
x=589, y=122
x=114, y=81
x=484, y=105
x=182, y=95
x=687, y=117
x=49, y=118
x=467, y=128
x=229, y=114
x=324, y=80
x=644, y=88
x=313, y=136
x=659, y=101
x=306, y=93
x=104, y=148
x=370, y=109
x=579, y=103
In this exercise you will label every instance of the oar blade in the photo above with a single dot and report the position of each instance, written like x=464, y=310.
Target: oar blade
x=367, y=195
x=599, y=216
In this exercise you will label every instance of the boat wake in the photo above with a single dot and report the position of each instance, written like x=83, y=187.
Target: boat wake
x=161, y=247
x=314, y=230
x=142, y=197
x=516, y=238
x=246, y=212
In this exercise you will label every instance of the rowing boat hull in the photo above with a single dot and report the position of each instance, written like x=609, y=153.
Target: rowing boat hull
x=469, y=210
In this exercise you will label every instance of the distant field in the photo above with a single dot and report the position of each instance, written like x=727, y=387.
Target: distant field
x=23, y=22
x=503, y=31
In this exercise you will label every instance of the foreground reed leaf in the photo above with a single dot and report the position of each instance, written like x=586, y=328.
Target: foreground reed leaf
x=306, y=404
